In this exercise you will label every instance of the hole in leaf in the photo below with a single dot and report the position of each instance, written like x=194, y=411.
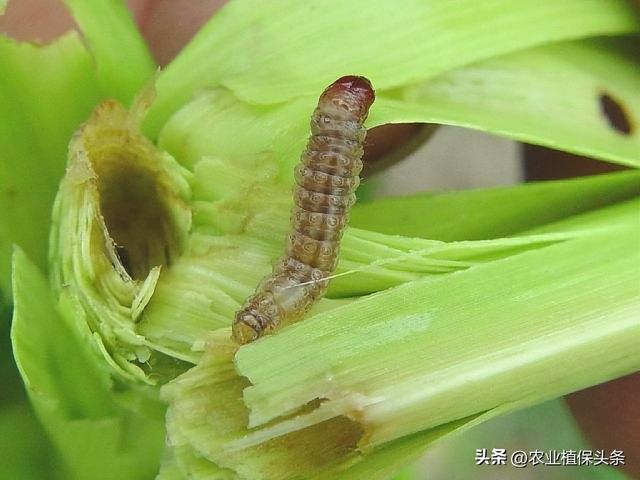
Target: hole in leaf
x=614, y=112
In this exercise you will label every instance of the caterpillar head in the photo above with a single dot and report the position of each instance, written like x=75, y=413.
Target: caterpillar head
x=352, y=94
x=247, y=326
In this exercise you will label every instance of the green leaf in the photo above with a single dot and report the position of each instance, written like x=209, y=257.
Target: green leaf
x=210, y=125
x=268, y=52
x=25, y=453
x=402, y=364
x=496, y=212
x=123, y=62
x=102, y=430
x=43, y=345
x=45, y=92
x=554, y=95
x=613, y=216
x=534, y=95
x=459, y=335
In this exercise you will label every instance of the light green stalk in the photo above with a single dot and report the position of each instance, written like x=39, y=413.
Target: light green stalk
x=508, y=333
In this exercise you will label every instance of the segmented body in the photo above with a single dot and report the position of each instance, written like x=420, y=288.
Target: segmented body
x=326, y=179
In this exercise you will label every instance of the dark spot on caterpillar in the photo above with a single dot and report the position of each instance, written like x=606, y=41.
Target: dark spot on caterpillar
x=326, y=179
x=615, y=114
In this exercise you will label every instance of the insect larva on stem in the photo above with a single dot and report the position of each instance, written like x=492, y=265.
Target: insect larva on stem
x=326, y=179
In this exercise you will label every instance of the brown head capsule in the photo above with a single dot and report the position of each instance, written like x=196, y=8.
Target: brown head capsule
x=326, y=179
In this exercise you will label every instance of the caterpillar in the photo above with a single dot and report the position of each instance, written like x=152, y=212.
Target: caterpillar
x=326, y=179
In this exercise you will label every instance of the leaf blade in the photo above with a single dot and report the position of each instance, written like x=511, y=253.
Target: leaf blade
x=123, y=61
x=553, y=95
x=495, y=212
x=38, y=115
x=262, y=62
x=71, y=389
x=594, y=283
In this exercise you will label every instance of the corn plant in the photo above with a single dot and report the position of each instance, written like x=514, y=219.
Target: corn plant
x=127, y=246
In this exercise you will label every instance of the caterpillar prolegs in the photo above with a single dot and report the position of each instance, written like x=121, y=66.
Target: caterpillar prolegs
x=326, y=179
